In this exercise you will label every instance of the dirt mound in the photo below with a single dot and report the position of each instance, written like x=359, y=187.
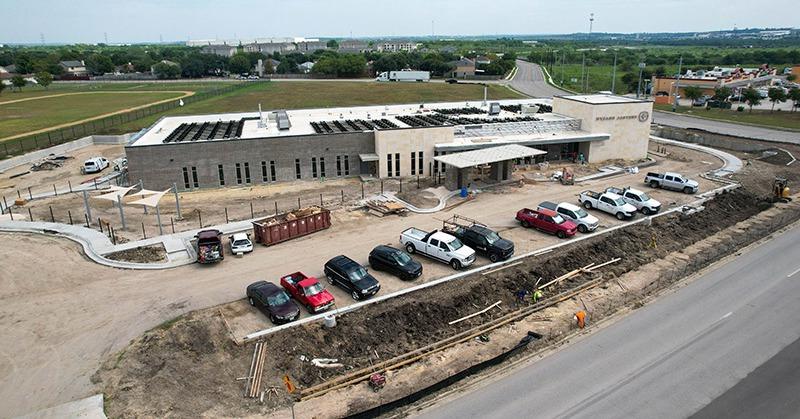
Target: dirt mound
x=144, y=254
x=189, y=369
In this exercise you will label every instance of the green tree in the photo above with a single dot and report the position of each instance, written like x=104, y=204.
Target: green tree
x=44, y=79
x=751, y=97
x=332, y=44
x=794, y=96
x=722, y=93
x=2, y=86
x=99, y=64
x=239, y=64
x=692, y=93
x=167, y=71
x=776, y=94
x=791, y=77
x=18, y=81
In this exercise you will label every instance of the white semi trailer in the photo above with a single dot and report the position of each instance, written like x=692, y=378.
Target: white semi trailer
x=404, y=75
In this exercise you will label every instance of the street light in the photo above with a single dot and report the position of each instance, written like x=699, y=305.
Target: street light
x=614, y=74
x=639, y=87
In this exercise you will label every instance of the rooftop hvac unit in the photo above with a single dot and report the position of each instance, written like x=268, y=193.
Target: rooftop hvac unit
x=283, y=120
x=494, y=108
x=529, y=109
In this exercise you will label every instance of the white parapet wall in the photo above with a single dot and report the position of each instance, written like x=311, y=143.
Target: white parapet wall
x=62, y=149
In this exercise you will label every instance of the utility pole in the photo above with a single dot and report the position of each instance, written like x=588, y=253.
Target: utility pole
x=583, y=69
x=614, y=74
x=677, y=80
x=639, y=87
x=563, y=57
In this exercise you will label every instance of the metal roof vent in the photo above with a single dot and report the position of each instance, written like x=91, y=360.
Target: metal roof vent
x=283, y=120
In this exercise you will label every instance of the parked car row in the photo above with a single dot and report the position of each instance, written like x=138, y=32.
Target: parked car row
x=456, y=244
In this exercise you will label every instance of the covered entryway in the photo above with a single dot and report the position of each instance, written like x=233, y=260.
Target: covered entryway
x=369, y=165
x=498, y=161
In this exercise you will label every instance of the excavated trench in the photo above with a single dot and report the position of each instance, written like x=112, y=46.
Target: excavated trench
x=135, y=383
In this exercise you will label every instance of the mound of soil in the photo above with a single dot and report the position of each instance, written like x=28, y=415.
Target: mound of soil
x=144, y=254
x=194, y=362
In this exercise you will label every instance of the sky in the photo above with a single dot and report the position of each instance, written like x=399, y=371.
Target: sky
x=91, y=21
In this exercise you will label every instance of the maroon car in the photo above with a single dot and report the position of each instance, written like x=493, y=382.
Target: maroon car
x=273, y=299
x=548, y=221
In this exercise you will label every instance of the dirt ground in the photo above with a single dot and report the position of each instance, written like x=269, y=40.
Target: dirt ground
x=142, y=381
x=144, y=254
x=94, y=312
x=43, y=181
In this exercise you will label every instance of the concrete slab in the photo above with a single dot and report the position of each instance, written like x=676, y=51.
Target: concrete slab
x=88, y=408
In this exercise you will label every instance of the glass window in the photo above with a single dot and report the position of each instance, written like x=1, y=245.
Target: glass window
x=492, y=237
x=314, y=167
x=581, y=213
x=558, y=219
x=434, y=242
x=413, y=163
x=456, y=244
x=389, y=165
x=247, y=173
x=346, y=166
x=322, y=166
x=221, y=175
x=338, y=165
x=357, y=274
x=238, y=173
x=419, y=164
x=194, y=177
x=313, y=289
x=397, y=164
x=278, y=298
x=264, y=177
x=402, y=258
x=443, y=246
x=272, y=170
x=297, y=168
x=186, y=183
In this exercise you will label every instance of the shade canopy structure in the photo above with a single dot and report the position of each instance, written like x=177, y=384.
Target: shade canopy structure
x=488, y=155
x=151, y=200
x=116, y=193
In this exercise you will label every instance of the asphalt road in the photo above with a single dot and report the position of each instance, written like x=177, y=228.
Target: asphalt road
x=530, y=80
x=727, y=128
x=670, y=358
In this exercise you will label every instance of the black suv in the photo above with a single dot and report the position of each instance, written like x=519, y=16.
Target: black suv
x=395, y=261
x=352, y=277
x=274, y=300
x=485, y=241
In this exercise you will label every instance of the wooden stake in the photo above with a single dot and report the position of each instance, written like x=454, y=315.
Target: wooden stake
x=476, y=314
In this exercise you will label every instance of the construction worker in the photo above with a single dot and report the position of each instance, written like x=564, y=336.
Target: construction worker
x=580, y=319
x=537, y=295
x=521, y=294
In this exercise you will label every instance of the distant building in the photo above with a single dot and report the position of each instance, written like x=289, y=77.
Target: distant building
x=396, y=46
x=74, y=67
x=482, y=60
x=353, y=46
x=7, y=72
x=462, y=68
x=167, y=62
x=306, y=67
x=269, y=47
x=311, y=45
x=222, y=50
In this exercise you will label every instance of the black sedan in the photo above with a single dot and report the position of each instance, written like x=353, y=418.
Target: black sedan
x=352, y=277
x=395, y=261
x=273, y=299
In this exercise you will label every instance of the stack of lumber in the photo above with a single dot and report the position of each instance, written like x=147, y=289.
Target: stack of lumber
x=254, y=378
x=382, y=208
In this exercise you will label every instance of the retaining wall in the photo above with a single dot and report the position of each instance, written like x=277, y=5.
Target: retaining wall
x=62, y=149
x=707, y=138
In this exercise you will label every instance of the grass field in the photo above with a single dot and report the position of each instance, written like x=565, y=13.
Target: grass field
x=320, y=94
x=57, y=88
x=30, y=115
x=779, y=119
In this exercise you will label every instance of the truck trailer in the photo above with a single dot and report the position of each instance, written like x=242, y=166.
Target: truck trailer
x=404, y=75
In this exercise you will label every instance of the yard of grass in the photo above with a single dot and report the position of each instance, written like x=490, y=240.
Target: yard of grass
x=322, y=94
x=778, y=119
x=29, y=91
x=30, y=115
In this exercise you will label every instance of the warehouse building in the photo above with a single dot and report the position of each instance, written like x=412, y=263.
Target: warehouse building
x=393, y=141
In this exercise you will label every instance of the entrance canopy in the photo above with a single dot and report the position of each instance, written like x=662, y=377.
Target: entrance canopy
x=368, y=157
x=488, y=155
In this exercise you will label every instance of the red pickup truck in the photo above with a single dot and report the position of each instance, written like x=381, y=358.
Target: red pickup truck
x=308, y=291
x=548, y=221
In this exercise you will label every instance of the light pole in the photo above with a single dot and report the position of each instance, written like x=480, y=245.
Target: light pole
x=677, y=80
x=614, y=74
x=583, y=69
x=639, y=87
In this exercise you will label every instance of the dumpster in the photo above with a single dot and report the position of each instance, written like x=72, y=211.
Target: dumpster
x=286, y=226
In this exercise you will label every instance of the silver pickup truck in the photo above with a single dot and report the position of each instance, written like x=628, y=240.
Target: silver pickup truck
x=639, y=199
x=438, y=245
x=673, y=181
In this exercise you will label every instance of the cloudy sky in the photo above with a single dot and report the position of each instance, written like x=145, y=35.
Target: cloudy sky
x=70, y=21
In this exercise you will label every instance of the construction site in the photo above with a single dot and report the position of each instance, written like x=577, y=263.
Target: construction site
x=133, y=316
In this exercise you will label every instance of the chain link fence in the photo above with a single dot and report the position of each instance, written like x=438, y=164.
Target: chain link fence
x=23, y=145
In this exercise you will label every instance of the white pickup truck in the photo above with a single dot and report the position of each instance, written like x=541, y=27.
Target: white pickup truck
x=670, y=180
x=607, y=202
x=639, y=199
x=439, y=246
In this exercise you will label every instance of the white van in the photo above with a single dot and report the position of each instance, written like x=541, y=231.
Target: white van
x=95, y=165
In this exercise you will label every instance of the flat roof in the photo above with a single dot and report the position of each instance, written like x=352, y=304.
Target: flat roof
x=488, y=155
x=250, y=125
x=602, y=99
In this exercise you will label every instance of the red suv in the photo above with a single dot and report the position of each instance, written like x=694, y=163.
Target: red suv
x=548, y=221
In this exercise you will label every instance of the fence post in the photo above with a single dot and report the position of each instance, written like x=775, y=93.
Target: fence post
x=87, y=219
x=177, y=200
x=252, y=214
x=100, y=223
x=342, y=195
x=401, y=185
x=298, y=202
x=362, y=190
x=172, y=223
x=86, y=206
x=381, y=186
x=30, y=195
x=11, y=214
x=200, y=218
x=70, y=186
x=69, y=214
x=55, y=192
x=417, y=181
x=226, y=215
x=320, y=200
x=52, y=218
x=6, y=203
x=20, y=195
x=276, y=207
x=144, y=234
x=30, y=215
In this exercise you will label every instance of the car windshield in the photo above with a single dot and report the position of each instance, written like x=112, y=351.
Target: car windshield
x=402, y=258
x=241, y=243
x=312, y=289
x=558, y=219
x=357, y=274
x=455, y=244
x=492, y=237
x=581, y=213
x=619, y=201
x=644, y=196
x=277, y=299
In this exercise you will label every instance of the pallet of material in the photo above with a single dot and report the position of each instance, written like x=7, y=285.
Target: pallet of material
x=382, y=208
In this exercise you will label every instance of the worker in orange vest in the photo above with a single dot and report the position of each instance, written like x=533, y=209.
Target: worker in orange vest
x=580, y=319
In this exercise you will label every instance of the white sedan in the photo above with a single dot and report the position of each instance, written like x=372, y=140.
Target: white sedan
x=240, y=243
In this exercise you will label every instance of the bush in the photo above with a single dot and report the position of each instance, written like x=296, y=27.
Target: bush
x=740, y=109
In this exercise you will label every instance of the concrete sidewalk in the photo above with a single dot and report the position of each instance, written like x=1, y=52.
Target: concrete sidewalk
x=731, y=164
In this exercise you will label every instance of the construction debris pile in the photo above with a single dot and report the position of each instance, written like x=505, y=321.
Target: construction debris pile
x=50, y=162
x=292, y=215
x=382, y=208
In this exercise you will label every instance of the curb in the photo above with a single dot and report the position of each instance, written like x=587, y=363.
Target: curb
x=750, y=124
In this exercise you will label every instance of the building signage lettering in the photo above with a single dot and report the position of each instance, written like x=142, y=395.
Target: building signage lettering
x=642, y=116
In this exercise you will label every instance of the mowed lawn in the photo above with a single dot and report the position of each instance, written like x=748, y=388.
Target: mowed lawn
x=778, y=119
x=29, y=91
x=325, y=94
x=21, y=117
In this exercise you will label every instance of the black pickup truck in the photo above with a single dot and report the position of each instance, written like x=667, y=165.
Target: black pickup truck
x=479, y=237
